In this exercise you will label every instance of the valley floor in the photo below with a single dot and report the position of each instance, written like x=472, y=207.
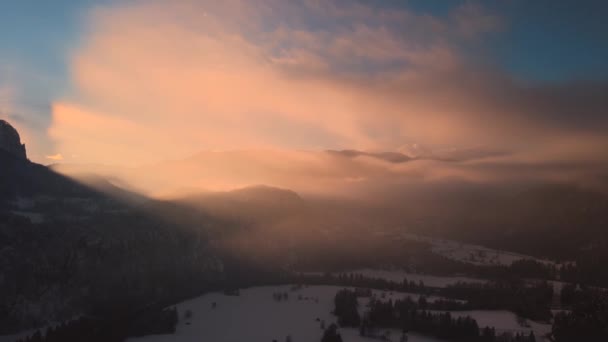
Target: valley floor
x=255, y=315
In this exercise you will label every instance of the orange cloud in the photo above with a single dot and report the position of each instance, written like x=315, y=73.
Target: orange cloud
x=55, y=157
x=163, y=74
x=157, y=80
x=6, y=95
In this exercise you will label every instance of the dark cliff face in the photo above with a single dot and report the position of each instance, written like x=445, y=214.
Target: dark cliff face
x=10, y=140
x=21, y=178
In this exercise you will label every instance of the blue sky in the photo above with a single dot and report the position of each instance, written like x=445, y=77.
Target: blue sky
x=540, y=42
x=37, y=36
x=543, y=40
x=555, y=40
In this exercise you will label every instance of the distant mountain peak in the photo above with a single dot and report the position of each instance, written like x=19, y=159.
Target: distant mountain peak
x=259, y=191
x=415, y=150
x=391, y=157
x=10, y=141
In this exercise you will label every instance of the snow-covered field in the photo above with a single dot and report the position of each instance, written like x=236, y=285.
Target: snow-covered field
x=256, y=316
x=428, y=280
x=473, y=254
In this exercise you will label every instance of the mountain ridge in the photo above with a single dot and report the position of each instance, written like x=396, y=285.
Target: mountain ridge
x=10, y=141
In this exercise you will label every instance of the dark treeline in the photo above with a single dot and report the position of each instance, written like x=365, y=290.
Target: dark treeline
x=571, y=294
x=331, y=334
x=408, y=315
x=523, y=268
x=416, y=257
x=147, y=322
x=345, y=308
x=529, y=300
x=359, y=280
x=589, y=267
x=588, y=319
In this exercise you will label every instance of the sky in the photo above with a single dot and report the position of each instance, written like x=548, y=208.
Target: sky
x=136, y=82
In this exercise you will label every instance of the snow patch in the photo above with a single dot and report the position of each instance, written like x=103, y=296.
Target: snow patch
x=472, y=254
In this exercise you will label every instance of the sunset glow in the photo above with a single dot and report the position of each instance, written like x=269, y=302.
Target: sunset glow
x=303, y=171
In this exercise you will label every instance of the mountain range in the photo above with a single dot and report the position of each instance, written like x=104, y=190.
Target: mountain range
x=89, y=245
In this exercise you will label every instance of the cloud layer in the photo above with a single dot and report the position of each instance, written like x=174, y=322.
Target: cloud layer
x=156, y=80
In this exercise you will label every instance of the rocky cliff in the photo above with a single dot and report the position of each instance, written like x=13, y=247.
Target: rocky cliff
x=10, y=140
